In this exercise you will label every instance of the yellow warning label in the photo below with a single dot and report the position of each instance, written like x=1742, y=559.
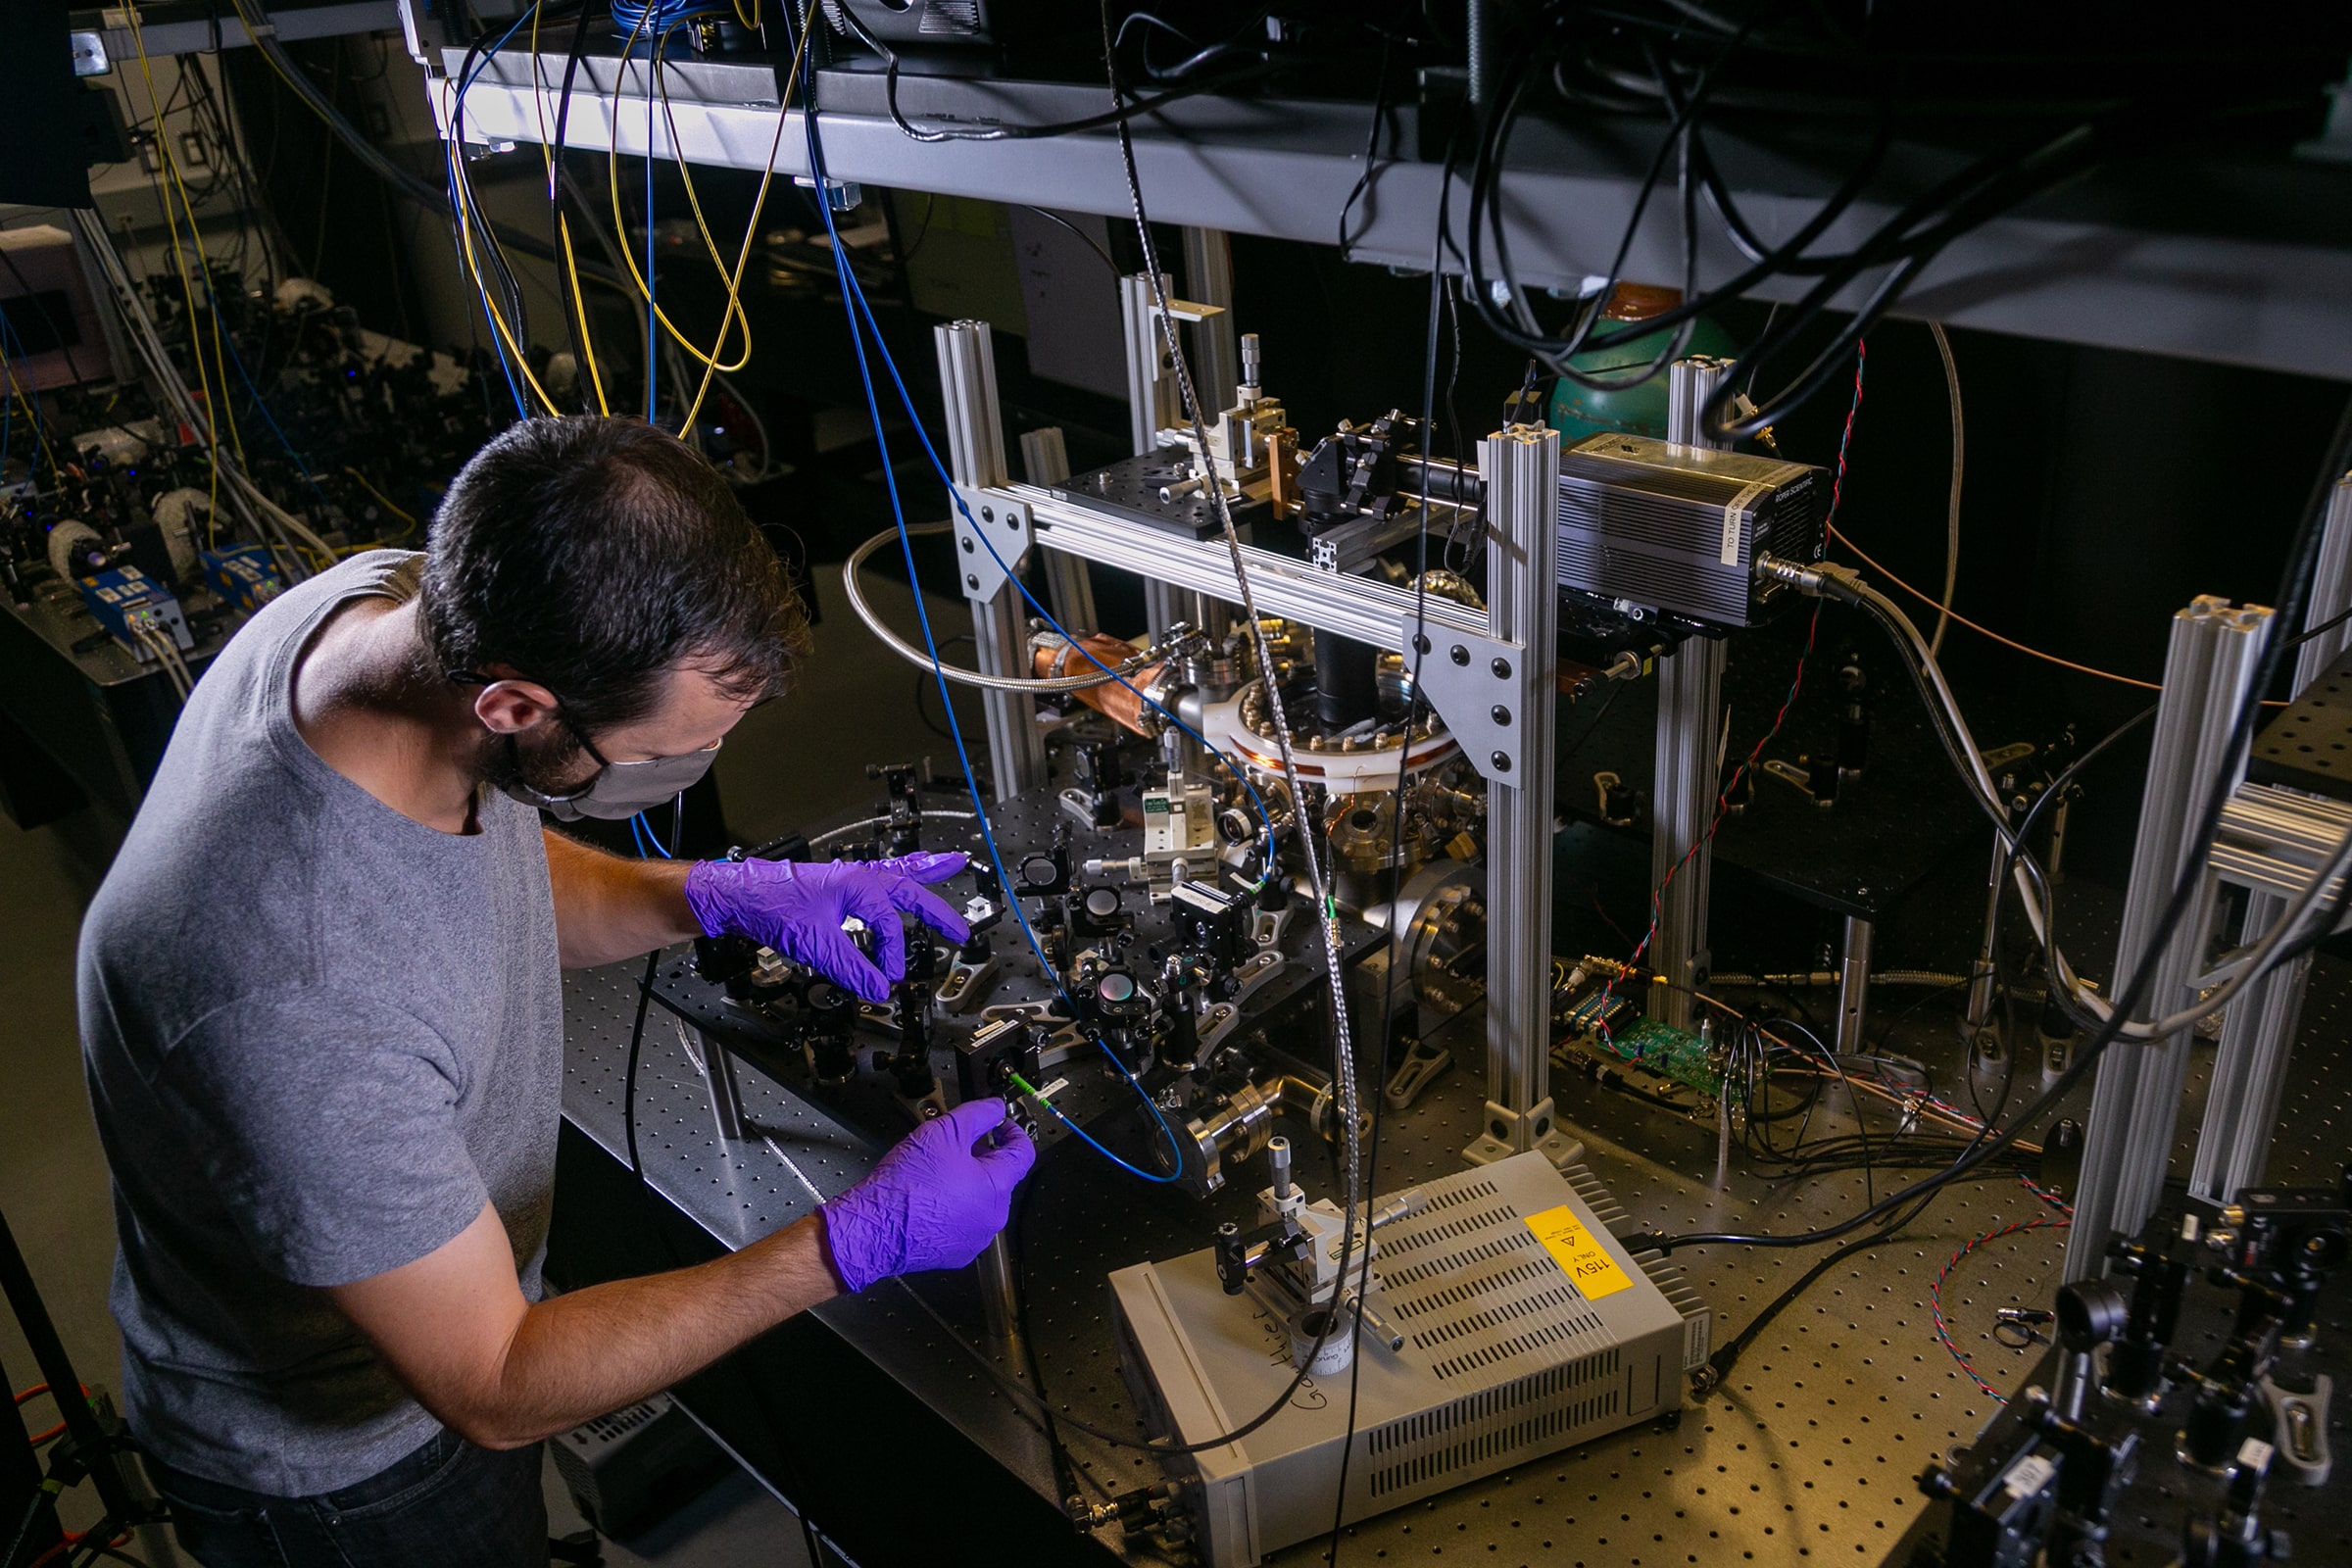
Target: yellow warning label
x=1574, y=1249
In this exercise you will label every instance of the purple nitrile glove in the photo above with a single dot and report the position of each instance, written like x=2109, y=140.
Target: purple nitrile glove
x=797, y=907
x=935, y=1202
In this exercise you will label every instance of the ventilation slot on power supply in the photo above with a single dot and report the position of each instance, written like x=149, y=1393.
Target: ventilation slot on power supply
x=1560, y=1298
x=1455, y=1295
x=1455, y=1197
x=1492, y=1411
x=1442, y=1230
x=1487, y=1355
x=1446, y=1263
x=606, y=1428
x=1487, y=1446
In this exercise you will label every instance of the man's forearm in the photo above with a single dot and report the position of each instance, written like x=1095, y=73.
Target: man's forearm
x=609, y=909
x=583, y=1355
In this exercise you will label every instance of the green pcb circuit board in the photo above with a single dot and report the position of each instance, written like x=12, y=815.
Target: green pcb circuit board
x=1636, y=1043
x=1668, y=1051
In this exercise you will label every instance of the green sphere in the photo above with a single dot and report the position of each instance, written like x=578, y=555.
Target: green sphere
x=1578, y=412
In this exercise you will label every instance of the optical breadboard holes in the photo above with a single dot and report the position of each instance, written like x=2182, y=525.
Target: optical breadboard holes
x=677, y=1136
x=1647, y=1498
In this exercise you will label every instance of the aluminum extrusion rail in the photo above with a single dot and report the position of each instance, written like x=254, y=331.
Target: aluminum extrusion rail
x=2272, y=839
x=1369, y=612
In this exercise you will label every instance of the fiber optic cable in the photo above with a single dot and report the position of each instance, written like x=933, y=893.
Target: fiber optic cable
x=212, y=416
x=955, y=727
x=857, y=296
x=462, y=201
x=651, y=281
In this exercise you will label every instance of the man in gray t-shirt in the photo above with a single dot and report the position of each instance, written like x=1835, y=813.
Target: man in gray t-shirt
x=322, y=1024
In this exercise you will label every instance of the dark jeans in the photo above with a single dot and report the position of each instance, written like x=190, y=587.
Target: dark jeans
x=450, y=1505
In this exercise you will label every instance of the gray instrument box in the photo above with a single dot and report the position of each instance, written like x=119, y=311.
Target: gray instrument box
x=1527, y=1329
x=1679, y=529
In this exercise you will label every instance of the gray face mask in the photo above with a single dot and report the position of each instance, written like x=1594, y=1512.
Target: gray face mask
x=618, y=791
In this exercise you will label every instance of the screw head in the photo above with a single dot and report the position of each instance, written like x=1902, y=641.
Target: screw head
x=1420, y=643
x=988, y=513
x=1460, y=655
x=971, y=581
x=1502, y=669
x=1500, y=714
x=967, y=546
x=1502, y=762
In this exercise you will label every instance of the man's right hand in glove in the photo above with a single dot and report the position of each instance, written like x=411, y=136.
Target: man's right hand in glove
x=455, y=1328
x=935, y=1202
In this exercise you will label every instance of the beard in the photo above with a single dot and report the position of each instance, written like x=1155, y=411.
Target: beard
x=546, y=758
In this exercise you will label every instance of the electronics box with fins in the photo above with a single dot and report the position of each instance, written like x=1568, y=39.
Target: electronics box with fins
x=635, y=1467
x=1527, y=1329
x=1678, y=529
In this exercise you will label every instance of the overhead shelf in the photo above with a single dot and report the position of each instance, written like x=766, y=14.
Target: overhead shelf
x=184, y=29
x=2243, y=261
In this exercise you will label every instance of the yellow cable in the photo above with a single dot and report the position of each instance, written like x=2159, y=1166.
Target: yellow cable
x=212, y=410
x=381, y=500
x=163, y=142
x=751, y=229
x=734, y=311
x=555, y=200
x=497, y=321
x=661, y=83
x=579, y=303
x=19, y=394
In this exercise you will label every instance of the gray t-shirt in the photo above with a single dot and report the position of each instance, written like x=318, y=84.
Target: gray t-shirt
x=318, y=1036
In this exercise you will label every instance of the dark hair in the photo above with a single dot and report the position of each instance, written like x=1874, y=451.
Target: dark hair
x=593, y=555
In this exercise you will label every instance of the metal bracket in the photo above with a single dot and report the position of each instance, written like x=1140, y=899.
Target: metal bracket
x=1509, y=1132
x=1350, y=544
x=1217, y=1021
x=1256, y=971
x=1188, y=310
x=89, y=54
x=963, y=987
x=1003, y=526
x=1478, y=687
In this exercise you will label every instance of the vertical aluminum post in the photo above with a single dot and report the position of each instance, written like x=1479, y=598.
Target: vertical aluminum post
x=1215, y=365
x=2136, y=1104
x=1985, y=1042
x=1853, y=985
x=2258, y=1031
x=2249, y=1069
x=2331, y=589
x=1046, y=461
x=1688, y=777
x=1521, y=465
x=975, y=430
x=1000, y=1307
x=1153, y=406
x=1208, y=280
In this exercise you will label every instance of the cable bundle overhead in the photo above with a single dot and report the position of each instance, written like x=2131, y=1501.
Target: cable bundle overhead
x=1695, y=67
